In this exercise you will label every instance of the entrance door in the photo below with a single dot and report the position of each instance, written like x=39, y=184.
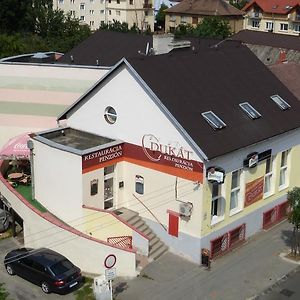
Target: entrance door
x=173, y=223
x=109, y=187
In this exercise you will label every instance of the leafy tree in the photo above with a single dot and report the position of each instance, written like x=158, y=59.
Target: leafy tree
x=294, y=218
x=15, y=16
x=161, y=16
x=213, y=27
x=239, y=4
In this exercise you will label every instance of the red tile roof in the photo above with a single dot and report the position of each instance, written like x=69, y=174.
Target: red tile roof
x=274, y=6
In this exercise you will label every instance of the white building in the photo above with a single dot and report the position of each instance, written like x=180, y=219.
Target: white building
x=93, y=13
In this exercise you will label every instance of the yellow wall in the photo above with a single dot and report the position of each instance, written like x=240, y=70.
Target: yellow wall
x=249, y=176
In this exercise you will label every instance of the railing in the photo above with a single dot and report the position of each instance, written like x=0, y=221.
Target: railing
x=228, y=241
x=255, y=15
x=121, y=241
x=275, y=215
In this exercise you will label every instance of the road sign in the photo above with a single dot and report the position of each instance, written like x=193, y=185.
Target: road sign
x=110, y=274
x=110, y=261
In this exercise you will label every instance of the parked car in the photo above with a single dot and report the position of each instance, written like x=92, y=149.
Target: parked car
x=50, y=270
x=4, y=220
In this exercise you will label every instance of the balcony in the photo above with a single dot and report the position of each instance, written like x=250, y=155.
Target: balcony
x=255, y=15
x=295, y=18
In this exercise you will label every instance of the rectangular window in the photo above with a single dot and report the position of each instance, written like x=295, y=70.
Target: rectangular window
x=217, y=204
x=109, y=12
x=94, y=187
x=172, y=18
x=72, y=13
x=109, y=186
x=269, y=26
x=82, y=18
x=139, y=184
x=102, y=12
x=91, y=11
x=82, y=6
x=72, y=1
x=250, y=110
x=280, y=102
x=61, y=1
x=268, y=180
x=213, y=120
x=131, y=2
x=118, y=12
x=118, y=1
x=92, y=23
x=184, y=19
x=296, y=28
x=283, y=27
x=255, y=24
x=235, y=196
x=283, y=176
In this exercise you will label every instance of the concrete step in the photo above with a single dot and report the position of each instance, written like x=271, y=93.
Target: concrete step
x=143, y=228
x=153, y=242
x=159, y=251
x=139, y=223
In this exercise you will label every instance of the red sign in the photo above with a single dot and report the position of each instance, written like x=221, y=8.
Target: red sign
x=254, y=191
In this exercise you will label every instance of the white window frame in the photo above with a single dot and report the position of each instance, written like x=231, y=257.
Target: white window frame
x=256, y=23
x=72, y=1
x=82, y=18
x=92, y=11
x=269, y=177
x=82, y=6
x=220, y=206
x=236, y=190
x=109, y=194
x=281, y=25
x=296, y=28
x=118, y=13
x=284, y=170
x=270, y=25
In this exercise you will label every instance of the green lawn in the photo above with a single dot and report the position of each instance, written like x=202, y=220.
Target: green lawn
x=25, y=191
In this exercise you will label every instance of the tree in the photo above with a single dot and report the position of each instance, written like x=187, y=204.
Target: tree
x=212, y=27
x=294, y=217
x=161, y=16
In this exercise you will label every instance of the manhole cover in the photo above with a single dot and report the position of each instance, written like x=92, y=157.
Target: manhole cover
x=287, y=293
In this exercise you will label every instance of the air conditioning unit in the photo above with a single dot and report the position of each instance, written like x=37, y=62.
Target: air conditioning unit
x=185, y=209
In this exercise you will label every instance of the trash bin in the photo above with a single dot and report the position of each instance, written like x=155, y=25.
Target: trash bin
x=205, y=257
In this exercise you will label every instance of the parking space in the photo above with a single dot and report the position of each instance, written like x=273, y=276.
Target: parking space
x=17, y=287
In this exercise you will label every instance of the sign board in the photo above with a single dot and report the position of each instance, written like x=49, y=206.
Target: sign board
x=254, y=191
x=254, y=158
x=215, y=175
x=110, y=261
x=110, y=274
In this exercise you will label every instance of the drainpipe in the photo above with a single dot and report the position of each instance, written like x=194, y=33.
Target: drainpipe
x=30, y=147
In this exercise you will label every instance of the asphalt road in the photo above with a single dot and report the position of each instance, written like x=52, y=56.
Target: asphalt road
x=17, y=287
x=286, y=289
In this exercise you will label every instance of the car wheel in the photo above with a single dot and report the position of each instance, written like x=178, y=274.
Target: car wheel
x=9, y=269
x=45, y=287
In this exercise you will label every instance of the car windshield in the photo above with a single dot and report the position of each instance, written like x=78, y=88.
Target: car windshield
x=61, y=267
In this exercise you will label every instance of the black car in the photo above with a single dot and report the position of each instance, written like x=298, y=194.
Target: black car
x=44, y=267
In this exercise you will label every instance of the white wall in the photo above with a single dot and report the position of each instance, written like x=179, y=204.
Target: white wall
x=58, y=181
x=137, y=114
x=87, y=254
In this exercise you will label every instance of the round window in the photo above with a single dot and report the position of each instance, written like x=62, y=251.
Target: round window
x=110, y=115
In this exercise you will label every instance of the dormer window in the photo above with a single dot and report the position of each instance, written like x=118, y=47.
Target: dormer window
x=283, y=105
x=250, y=110
x=213, y=120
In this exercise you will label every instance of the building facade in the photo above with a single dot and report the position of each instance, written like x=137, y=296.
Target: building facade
x=273, y=16
x=94, y=13
x=192, y=12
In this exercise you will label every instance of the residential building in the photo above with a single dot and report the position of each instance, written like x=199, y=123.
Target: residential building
x=270, y=48
x=94, y=13
x=279, y=16
x=201, y=163
x=192, y=12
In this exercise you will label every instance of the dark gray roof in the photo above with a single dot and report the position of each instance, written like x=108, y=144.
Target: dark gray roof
x=268, y=39
x=217, y=79
x=108, y=47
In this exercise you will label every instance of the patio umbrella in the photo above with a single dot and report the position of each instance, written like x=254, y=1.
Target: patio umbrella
x=16, y=148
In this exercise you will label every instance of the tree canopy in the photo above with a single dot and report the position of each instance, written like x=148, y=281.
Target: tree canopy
x=294, y=218
x=33, y=25
x=161, y=16
x=213, y=27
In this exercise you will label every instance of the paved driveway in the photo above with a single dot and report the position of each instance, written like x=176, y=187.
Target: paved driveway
x=18, y=288
x=239, y=275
